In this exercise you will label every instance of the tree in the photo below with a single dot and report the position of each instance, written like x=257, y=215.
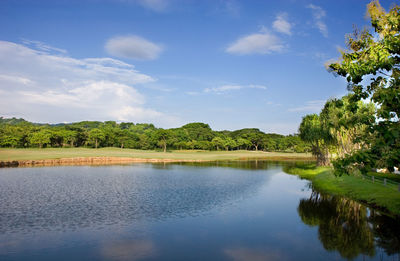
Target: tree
x=371, y=66
x=256, y=138
x=313, y=131
x=229, y=143
x=217, y=142
x=96, y=136
x=243, y=143
x=40, y=138
x=348, y=124
x=162, y=137
x=69, y=137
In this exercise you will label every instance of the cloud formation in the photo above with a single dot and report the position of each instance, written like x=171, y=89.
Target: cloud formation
x=258, y=43
x=318, y=15
x=44, y=87
x=281, y=24
x=226, y=88
x=133, y=47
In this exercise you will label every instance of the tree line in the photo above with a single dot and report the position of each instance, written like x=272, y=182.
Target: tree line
x=18, y=133
x=361, y=131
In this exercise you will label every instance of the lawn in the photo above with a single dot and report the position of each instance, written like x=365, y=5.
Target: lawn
x=364, y=190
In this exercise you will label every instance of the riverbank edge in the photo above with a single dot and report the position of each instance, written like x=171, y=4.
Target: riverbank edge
x=86, y=161
x=373, y=195
x=126, y=160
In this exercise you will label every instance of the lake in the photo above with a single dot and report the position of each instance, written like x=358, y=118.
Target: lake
x=238, y=210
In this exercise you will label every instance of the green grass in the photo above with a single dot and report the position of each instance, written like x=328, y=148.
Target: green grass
x=57, y=153
x=386, y=198
x=390, y=176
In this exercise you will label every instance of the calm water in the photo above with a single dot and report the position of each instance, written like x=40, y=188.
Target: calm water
x=224, y=211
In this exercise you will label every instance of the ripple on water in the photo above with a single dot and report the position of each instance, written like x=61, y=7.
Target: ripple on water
x=70, y=198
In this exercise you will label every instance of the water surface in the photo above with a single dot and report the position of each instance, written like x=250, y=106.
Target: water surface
x=199, y=211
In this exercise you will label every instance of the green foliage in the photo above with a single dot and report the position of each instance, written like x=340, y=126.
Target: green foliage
x=95, y=137
x=40, y=138
x=314, y=131
x=19, y=133
x=372, y=69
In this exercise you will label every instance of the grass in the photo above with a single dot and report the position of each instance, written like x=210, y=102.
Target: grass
x=57, y=153
x=386, y=198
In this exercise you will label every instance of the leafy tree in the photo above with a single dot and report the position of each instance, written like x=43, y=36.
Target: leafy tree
x=372, y=69
x=348, y=124
x=229, y=143
x=313, y=131
x=163, y=138
x=198, y=131
x=40, y=138
x=243, y=143
x=69, y=137
x=96, y=136
x=218, y=142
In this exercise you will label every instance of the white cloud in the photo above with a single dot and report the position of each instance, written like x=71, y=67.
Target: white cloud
x=12, y=79
x=133, y=47
x=45, y=87
x=258, y=43
x=318, y=15
x=310, y=106
x=281, y=24
x=42, y=46
x=155, y=5
x=225, y=88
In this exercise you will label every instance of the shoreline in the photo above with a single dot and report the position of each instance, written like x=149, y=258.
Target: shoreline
x=106, y=156
x=87, y=161
x=373, y=195
x=77, y=161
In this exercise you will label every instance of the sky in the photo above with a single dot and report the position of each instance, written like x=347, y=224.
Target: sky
x=232, y=64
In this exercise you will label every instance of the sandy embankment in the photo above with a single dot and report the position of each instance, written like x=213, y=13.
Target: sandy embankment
x=84, y=161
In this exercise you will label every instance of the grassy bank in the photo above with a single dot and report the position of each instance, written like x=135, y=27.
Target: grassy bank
x=59, y=153
x=357, y=188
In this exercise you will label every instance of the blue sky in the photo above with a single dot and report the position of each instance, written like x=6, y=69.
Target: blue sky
x=231, y=64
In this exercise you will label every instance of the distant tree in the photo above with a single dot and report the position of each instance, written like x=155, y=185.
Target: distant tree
x=229, y=143
x=256, y=138
x=198, y=131
x=163, y=138
x=96, y=136
x=40, y=138
x=243, y=143
x=69, y=136
x=218, y=142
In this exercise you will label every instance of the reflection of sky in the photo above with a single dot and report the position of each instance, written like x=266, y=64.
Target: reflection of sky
x=75, y=197
x=150, y=212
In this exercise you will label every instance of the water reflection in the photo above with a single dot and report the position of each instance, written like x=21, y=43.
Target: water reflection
x=236, y=164
x=60, y=198
x=349, y=227
x=128, y=250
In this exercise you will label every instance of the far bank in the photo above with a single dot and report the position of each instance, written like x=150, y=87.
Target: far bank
x=71, y=156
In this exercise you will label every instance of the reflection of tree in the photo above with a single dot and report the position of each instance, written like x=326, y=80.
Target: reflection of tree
x=239, y=164
x=343, y=224
x=387, y=233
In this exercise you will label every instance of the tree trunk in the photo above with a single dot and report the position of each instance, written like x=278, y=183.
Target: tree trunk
x=323, y=159
x=165, y=146
x=256, y=145
x=96, y=144
x=122, y=145
x=72, y=143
